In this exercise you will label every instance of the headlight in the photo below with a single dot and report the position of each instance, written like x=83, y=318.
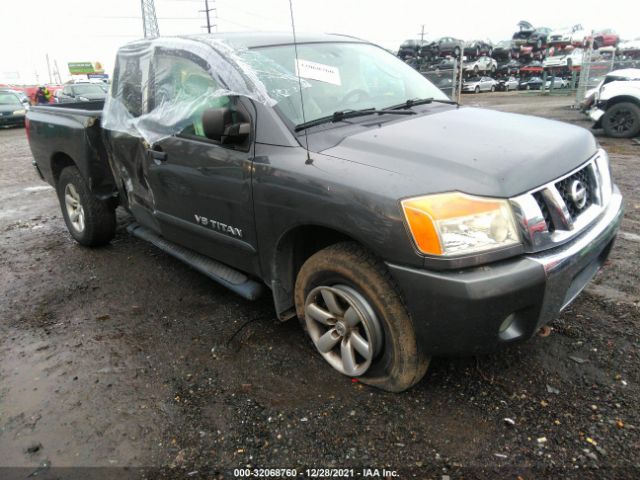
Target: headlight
x=83, y=99
x=451, y=224
x=19, y=112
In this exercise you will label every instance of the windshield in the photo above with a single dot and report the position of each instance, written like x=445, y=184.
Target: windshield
x=88, y=89
x=8, y=98
x=335, y=77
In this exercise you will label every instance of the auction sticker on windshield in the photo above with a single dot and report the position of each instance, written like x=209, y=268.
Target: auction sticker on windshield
x=318, y=71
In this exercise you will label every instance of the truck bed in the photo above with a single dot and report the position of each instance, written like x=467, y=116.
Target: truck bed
x=84, y=109
x=70, y=134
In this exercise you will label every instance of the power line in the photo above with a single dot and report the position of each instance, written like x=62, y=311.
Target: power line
x=137, y=17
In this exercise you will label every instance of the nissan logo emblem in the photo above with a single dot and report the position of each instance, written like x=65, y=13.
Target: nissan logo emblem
x=578, y=194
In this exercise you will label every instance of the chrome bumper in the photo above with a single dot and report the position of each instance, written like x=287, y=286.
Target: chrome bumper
x=570, y=267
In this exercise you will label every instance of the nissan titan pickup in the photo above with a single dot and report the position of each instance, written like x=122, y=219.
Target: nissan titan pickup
x=395, y=224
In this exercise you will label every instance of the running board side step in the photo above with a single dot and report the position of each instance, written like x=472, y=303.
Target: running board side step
x=223, y=274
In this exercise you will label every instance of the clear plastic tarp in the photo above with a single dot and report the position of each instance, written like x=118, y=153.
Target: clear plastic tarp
x=162, y=86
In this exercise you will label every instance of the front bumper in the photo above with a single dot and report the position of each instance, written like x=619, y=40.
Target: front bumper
x=11, y=120
x=480, y=309
x=596, y=114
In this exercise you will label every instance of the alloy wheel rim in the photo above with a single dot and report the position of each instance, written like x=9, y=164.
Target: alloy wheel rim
x=344, y=328
x=75, y=211
x=622, y=121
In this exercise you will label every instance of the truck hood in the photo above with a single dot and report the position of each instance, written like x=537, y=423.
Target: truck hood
x=473, y=150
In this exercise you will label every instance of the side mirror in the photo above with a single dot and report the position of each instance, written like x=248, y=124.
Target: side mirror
x=218, y=125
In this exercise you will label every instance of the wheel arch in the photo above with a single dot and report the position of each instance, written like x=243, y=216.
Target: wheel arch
x=59, y=161
x=621, y=99
x=293, y=248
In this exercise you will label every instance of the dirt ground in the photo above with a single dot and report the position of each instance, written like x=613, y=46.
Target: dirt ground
x=123, y=356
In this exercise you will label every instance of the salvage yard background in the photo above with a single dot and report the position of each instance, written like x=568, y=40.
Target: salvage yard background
x=123, y=356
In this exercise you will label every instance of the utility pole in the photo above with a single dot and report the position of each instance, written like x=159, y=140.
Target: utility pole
x=49, y=68
x=207, y=10
x=56, y=71
x=149, y=19
x=422, y=35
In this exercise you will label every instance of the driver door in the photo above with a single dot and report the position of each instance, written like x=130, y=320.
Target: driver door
x=201, y=188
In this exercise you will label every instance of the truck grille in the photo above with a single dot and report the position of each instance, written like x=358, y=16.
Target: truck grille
x=554, y=213
x=545, y=211
x=564, y=188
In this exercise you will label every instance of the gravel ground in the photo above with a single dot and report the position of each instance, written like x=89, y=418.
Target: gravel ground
x=123, y=356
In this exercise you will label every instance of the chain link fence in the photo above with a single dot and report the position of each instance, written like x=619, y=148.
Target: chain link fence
x=445, y=76
x=596, y=64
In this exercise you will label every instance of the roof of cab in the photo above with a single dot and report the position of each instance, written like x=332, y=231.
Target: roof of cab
x=265, y=39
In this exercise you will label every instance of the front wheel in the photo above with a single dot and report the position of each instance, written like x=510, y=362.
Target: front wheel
x=622, y=120
x=90, y=221
x=493, y=88
x=477, y=90
x=351, y=309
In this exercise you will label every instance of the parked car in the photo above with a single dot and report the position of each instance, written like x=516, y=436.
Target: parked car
x=482, y=64
x=438, y=64
x=476, y=48
x=512, y=67
x=502, y=51
x=575, y=35
x=533, y=83
x=81, y=92
x=21, y=95
x=350, y=216
x=528, y=35
x=12, y=110
x=507, y=84
x=410, y=48
x=445, y=46
x=605, y=38
x=561, y=57
x=558, y=82
x=479, y=84
x=56, y=96
x=531, y=69
x=630, y=48
x=616, y=104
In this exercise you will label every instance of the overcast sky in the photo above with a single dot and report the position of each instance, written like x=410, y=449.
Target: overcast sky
x=92, y=30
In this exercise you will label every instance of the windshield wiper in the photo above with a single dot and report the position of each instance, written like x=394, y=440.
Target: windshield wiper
x=412, y=102
x=341, y=115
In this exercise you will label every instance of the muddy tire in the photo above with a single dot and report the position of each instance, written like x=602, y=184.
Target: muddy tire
x=345, y=278
x=622, y=120
x=90, y=221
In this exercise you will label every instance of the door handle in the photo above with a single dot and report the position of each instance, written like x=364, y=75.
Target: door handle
x=157, y=156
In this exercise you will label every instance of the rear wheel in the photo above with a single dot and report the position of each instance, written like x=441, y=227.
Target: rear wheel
x=477, y=89
x=622, y=120
x=352, y=311
x=90, y=221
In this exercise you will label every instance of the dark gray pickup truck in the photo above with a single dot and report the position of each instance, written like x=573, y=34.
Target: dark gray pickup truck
x=393, y=223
